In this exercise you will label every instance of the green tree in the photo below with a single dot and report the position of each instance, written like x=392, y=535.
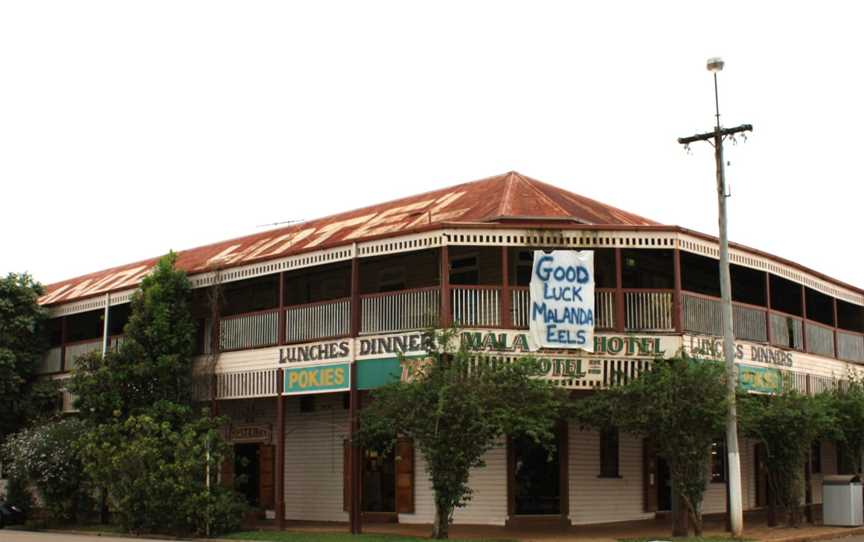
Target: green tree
x=680, y=405
x=787, y=424
x=456, y=407
x=847, y=407
x=154, y=362
x=147, y=444
x=157, y=472
x=22, y=345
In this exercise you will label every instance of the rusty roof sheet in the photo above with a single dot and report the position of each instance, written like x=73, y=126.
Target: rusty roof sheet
x=509, y=197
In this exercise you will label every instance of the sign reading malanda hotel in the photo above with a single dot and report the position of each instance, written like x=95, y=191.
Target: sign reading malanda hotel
x=562, y=299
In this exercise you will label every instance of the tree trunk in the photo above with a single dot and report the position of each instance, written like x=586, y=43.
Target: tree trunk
x=441, y=525
x=696, y=517
x=103, y=506
x=679, y=515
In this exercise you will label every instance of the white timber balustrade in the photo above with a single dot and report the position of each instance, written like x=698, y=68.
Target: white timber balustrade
x=702, y=315
x=476, y=306
x=820, y=339
x=76, y=350
x=246, y=384
x=648, y=310
x=787, y=331
x=749, y=323
x=248, y=330
x=850, y=346
x=604, y=309
x=520, y=304
x=52, y=362
x=398, y=311
x=620, y=371
x=320, y=320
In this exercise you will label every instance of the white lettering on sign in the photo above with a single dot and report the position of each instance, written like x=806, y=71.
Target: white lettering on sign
x=562, y=299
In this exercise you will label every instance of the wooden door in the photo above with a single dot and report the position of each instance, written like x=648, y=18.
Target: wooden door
x=649, y=476
x=226, y=473
x=405, y=476
x=266, y=476
x=761, y=474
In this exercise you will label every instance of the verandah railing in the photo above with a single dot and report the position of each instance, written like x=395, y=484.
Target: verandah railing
x=702, y=315
x=399, y=311
x=321, y=320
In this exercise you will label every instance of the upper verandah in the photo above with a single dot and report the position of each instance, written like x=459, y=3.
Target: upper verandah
x=509, y=198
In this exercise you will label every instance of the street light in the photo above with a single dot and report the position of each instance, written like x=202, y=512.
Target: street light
x=736, y=519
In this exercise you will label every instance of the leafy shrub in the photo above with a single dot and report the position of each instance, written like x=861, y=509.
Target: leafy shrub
x=156, y=469
x=44, y=458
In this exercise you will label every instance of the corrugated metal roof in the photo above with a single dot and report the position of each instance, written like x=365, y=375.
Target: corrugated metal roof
x=510, y=197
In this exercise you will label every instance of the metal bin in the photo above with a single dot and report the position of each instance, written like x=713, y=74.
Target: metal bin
x=842, y=501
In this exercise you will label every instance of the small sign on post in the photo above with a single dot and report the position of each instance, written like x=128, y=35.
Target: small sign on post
x=562, y=299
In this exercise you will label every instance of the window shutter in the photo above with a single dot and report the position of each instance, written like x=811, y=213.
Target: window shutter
x=266, y=479
x=405, y=476
x=226, y=473
x=346, y=475
x=649, y=476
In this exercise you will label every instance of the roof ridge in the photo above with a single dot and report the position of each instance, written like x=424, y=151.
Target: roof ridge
x=508, y=193
x=530, y=183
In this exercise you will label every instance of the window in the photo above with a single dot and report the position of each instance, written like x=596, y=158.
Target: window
x=816, y=457
x=391, y=279
x=464, y=270
x=524, y=263
x=609, y=453
x=307, y=403
x=718, y=461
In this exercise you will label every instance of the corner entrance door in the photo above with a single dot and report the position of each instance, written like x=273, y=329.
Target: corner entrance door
x=253, y=474
x=536, y=479
x=664, y=485
x=379, y=482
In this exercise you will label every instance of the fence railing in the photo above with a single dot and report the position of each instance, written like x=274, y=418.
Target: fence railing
x=648, y=310
x=749, y=323
x=476, y=306
x=249, y=330
x=622, y=371
x=246, y=384
x=820, y=339
x=705, y=315
x=76, y=350
x=787, y=331
x=321, y=320
x=52, y=362
x=399, y=311
x=850, y=346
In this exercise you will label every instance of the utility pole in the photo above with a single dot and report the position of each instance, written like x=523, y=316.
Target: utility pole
x=733, y=484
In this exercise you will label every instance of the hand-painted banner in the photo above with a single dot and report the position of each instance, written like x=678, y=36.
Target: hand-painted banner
x=562, y=299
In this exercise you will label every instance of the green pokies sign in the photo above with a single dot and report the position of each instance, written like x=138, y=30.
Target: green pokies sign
x=318, y=379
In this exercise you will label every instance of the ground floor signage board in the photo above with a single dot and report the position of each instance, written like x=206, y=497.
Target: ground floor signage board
x=328, y=378
x=250, y=433
x=760, y=379
x=562, y=299
x=374, y=373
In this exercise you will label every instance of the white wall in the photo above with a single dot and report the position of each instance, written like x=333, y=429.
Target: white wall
x=488, y=505
x=600, y=500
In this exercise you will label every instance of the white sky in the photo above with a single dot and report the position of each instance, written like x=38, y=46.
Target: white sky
x=131, y=128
